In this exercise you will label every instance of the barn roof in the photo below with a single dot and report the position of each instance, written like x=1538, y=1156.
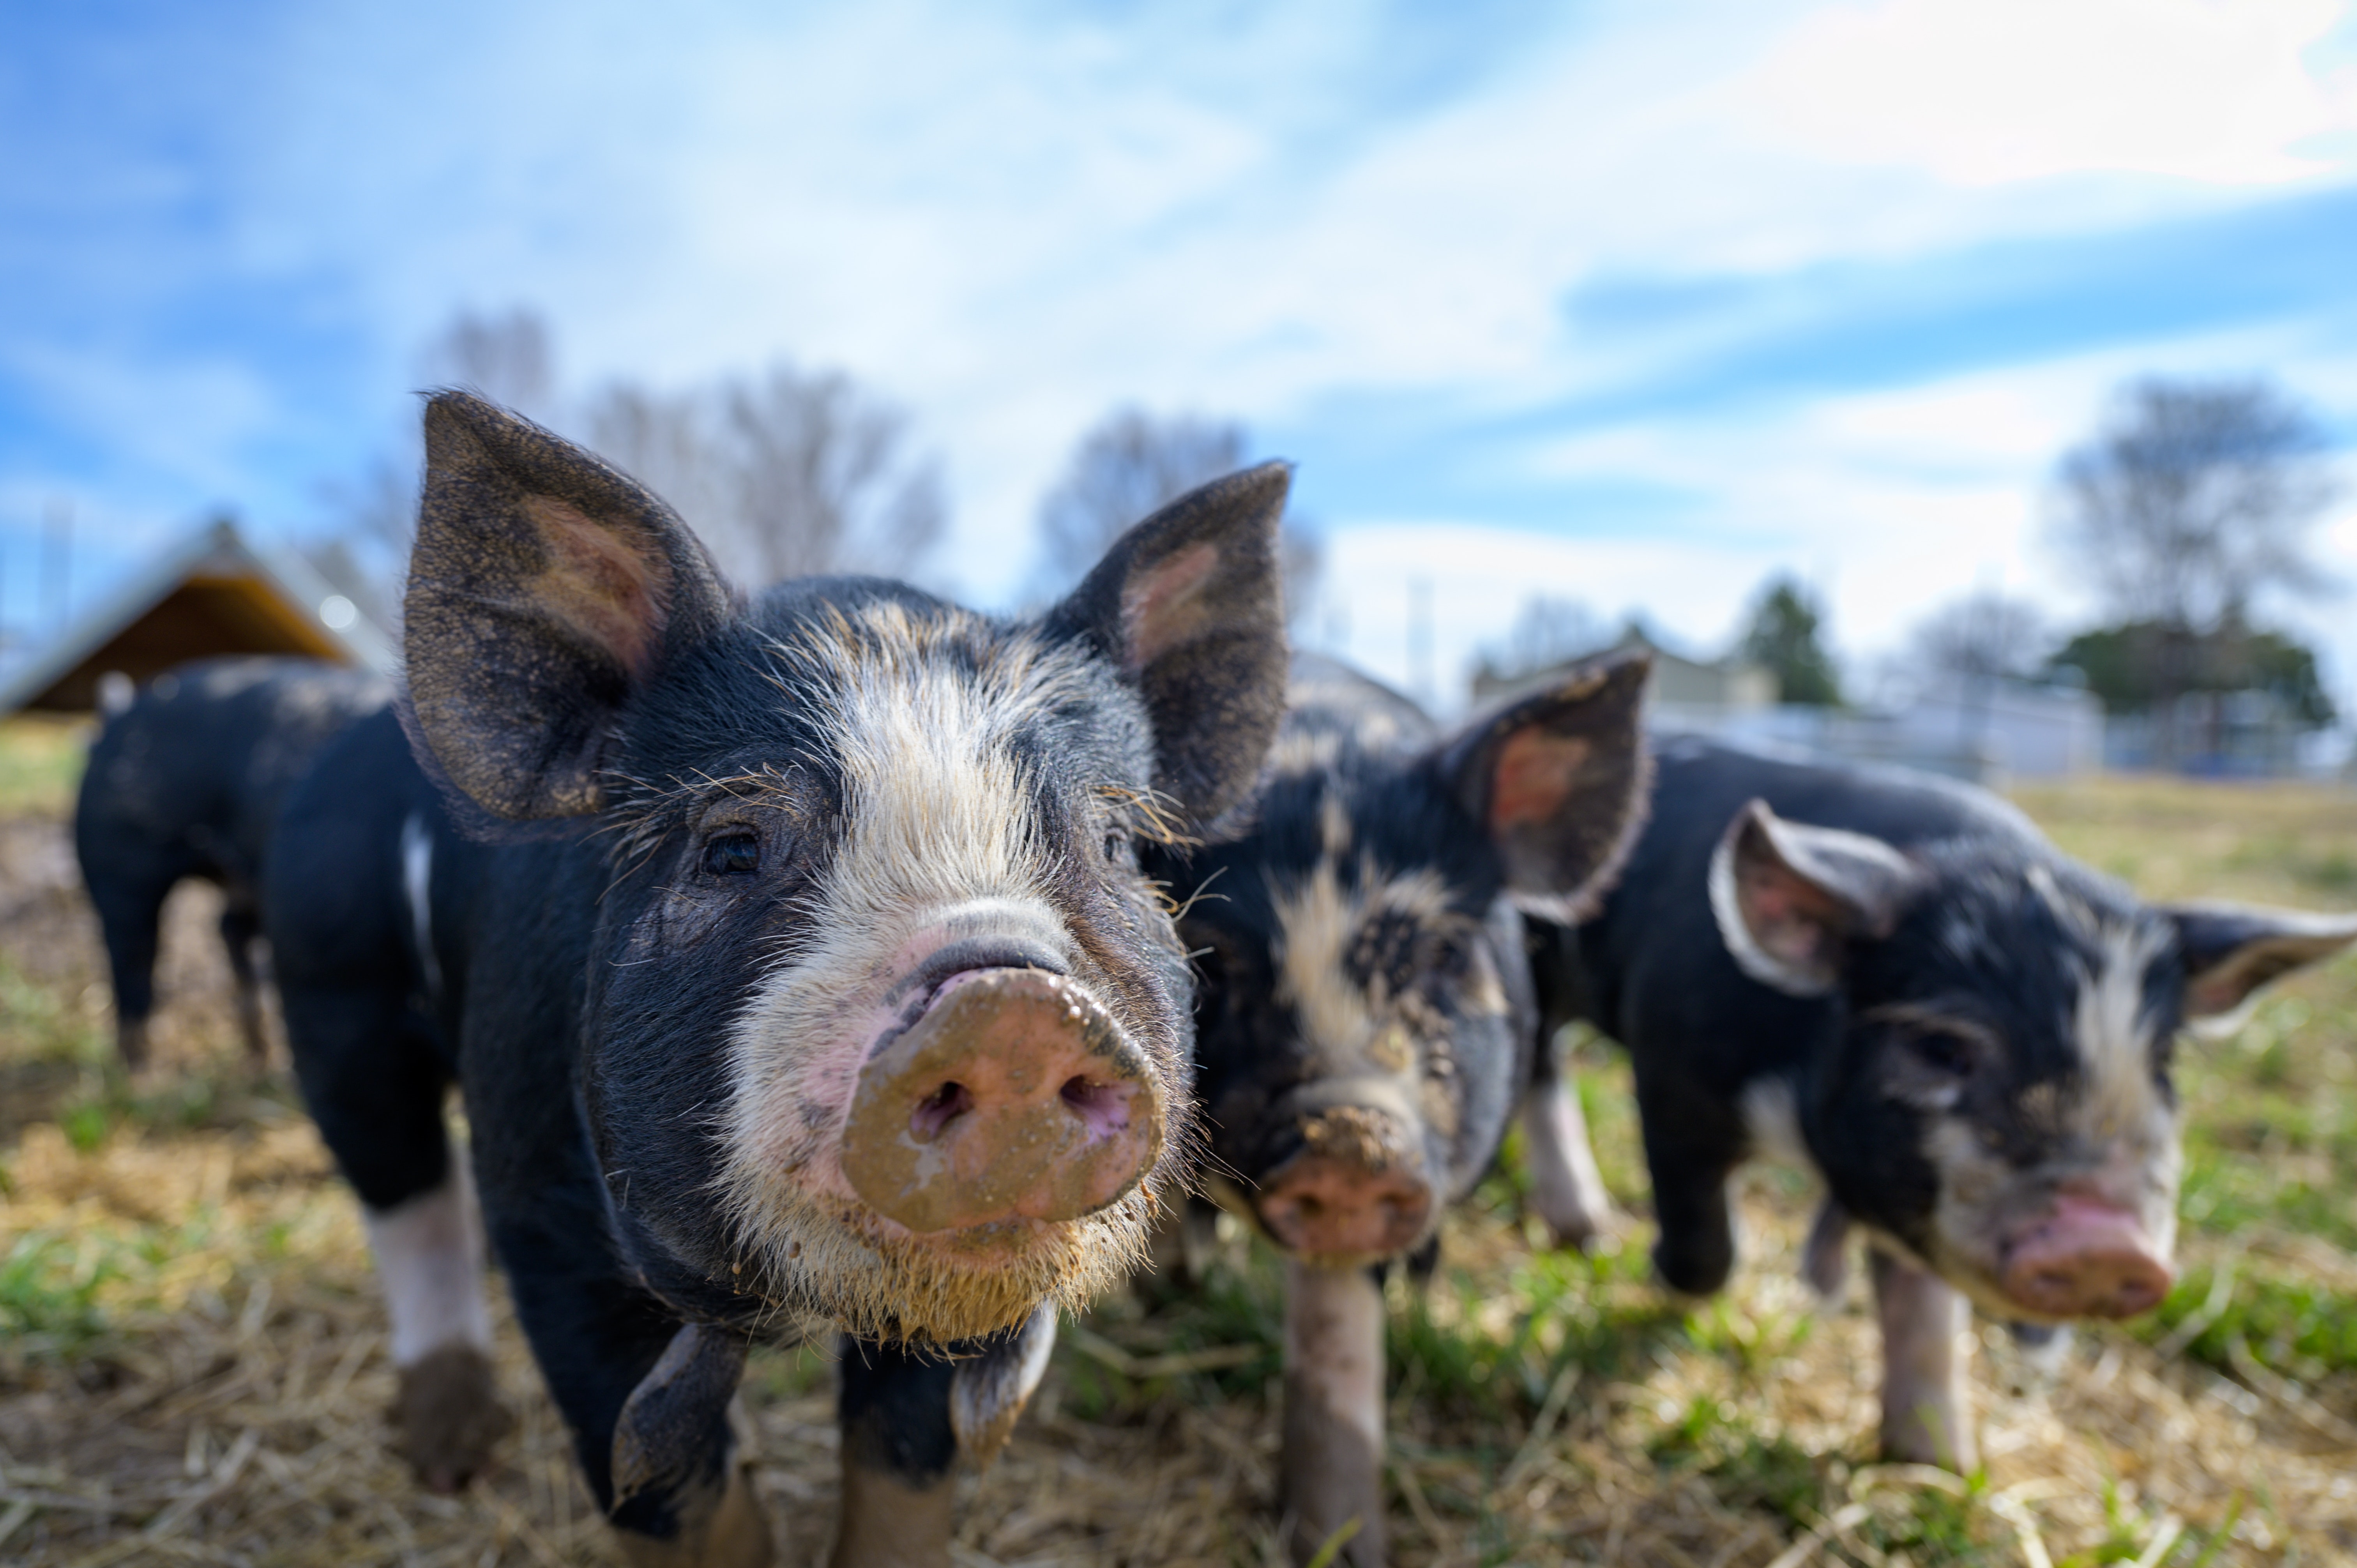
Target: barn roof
x=216, y=593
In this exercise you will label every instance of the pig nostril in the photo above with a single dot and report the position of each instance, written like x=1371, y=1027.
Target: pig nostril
x=1102, y=1106
x=938, y=1109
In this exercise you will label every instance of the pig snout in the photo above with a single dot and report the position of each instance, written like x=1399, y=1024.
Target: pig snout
x=1350, y=1193
x=1013, y=1096
x=2088, y=1259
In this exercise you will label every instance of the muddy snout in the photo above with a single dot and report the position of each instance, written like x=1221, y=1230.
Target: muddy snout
x=1354, y=1190
x=2086, y=1260
x=1015, y=1096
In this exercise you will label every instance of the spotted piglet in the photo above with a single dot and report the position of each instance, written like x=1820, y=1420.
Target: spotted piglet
x=794, y=958
x=1366, y=1022
x=1896, y=982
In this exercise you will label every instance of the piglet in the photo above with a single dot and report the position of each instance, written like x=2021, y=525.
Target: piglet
x=1896, y=982
x=184, y=780
x=1367, y=1021
x=792, y=953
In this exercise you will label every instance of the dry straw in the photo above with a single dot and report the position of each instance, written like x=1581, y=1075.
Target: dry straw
x=221, y=1400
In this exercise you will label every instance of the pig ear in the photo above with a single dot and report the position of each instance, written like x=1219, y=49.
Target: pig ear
x=544, y=588
x=1788, y=897
x=2231, y=949
x=1188, y=605
x=1558, y=779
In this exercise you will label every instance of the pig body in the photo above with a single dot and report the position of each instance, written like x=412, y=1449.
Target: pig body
x=184, y=781
x=792, y=958
x=1897, y=981
x=1367, y=1021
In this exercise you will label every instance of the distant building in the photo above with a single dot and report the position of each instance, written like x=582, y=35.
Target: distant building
x=2250, y=734
x=1686, y=693
x=1982, y=731
x=217, y=592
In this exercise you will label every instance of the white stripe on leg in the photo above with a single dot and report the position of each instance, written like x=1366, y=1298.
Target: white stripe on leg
x=429, y=1254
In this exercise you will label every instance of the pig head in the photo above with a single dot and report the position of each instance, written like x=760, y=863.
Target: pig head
x=885, y=1027
x=1367, y=1021
x=1993, y=1100
x=1368, y=1018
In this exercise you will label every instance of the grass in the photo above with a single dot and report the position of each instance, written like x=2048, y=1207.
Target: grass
x=40, y=764
x=178, y=1267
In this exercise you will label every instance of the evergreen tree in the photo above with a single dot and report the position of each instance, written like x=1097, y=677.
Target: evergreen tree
x=1786, y=637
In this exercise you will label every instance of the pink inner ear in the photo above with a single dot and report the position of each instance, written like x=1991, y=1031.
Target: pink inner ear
x=597, y=584
x=1537, y=771
x=1788, y=915
x=1163, y=608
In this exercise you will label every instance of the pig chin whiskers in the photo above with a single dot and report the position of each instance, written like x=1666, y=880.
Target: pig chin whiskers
x=832, y=1266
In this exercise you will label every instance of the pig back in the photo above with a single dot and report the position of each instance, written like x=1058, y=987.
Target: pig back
x=195, y=769
x=1651, y=969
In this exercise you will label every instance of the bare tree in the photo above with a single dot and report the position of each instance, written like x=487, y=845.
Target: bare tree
x=823, y=479
x=785, y=474
x=2192, y=500
x=509, y=358
x=2195, y=498
x=1547, y=630
x=1983, y=636
x=1129, y=463
x=364, y=553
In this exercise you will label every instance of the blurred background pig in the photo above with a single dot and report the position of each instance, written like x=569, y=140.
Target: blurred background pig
x=184, y=779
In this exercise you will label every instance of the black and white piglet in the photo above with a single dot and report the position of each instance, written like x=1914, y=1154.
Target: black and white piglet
x=796, y=967
x=184, y=781
x=1899, y=983
x=1366, y=1022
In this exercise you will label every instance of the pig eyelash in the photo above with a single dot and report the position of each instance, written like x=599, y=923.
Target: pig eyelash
x=724, y=853
x=1945, y=1042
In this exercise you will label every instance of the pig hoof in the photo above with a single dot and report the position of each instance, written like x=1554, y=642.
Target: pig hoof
x=131, y=1044
x=1585, y=1232
x=722, y=1527
x=448, y=1417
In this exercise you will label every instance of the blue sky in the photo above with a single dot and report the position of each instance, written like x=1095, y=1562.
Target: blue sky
x=1630, y=303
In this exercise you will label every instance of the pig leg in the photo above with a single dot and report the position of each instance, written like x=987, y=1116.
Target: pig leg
x=1333, y=1452
x=1691, y=1146
x=646, y=1397
x=1926, y=1408
x=128, y=913
x=375, y=1085
x=898, y=1445
x=1565, y=1186
x=241, y=928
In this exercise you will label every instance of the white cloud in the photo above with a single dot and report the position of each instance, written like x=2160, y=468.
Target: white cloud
x=1983, y=91
x=1011, y=218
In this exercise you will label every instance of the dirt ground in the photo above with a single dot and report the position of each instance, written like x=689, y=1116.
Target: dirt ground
x=192, y=1364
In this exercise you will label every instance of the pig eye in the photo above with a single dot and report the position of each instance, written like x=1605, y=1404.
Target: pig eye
x=1114, y=843
x=732, y=854
x=1943, y=1053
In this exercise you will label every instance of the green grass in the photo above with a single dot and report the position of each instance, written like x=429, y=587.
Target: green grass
x=40, y=1027
x=62, y=1290
x=40, y=764
x=50, y=1285
x=2299, y=1327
